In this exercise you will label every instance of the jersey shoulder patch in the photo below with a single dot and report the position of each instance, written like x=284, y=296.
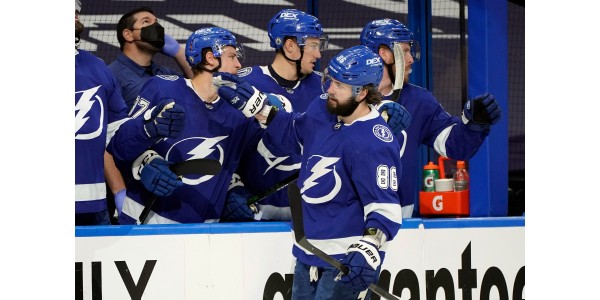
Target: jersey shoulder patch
x=383, y=133
x=168, y=77
x=244, y=72
x=323, y=96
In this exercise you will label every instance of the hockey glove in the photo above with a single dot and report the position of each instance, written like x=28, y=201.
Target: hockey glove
x=251, y=101
x=398, y=117
x=166, y=120
x=236, y=209
x=364, y=263
x=171, y=46
x=158, y=178
x=225, y=79
x=481, y=112
x=119, y=200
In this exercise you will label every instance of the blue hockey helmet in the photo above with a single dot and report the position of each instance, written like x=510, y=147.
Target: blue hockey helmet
x=357, y=66
x=211, y=37
x=295, y=23
x=387, y=32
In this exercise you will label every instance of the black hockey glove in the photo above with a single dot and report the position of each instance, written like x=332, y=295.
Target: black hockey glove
x=481, y=112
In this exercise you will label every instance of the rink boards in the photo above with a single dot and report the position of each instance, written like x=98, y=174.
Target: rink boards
x=476, y=258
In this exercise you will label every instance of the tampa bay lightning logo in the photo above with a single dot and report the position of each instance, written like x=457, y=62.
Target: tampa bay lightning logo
x=275, y=162
x=383, y=133
x=88, y=102
x=324, y=182
x=197, y=147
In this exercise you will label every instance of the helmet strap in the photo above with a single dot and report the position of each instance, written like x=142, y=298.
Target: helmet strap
x=298, y=62
x=216, y=69
x=390, y=71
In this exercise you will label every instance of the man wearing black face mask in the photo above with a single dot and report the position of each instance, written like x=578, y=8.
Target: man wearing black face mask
x=140, y=38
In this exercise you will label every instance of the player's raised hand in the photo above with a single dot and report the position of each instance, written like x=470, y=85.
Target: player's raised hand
x=395, y=115
x=364, y=262
x=481, y=112
x=225, y=79
x=166, y=120
x=251, y=101
x=158, y=178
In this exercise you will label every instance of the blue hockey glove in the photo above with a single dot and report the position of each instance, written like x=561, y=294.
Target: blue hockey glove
x=398, y=117
x=249, y=100
x=119, y=200
x=158, y=178
x=364, y=263
x=166, y=120
x=236, y=209
x=481, y=112
x=171, y=46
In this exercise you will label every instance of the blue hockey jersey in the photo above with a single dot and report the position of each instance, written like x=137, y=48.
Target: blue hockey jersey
x=261, y=169
x=432, y=126
x=348, y=179
x=99, y=112
x=212, y=130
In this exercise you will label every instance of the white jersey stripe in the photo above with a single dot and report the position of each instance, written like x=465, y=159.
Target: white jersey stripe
x=90, y=192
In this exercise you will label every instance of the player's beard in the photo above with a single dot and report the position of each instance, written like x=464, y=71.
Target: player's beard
x=341, y=109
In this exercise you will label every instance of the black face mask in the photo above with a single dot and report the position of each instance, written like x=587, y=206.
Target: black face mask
x=154, y=35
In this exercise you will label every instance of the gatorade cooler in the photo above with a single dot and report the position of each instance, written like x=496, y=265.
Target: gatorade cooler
x=444, y=203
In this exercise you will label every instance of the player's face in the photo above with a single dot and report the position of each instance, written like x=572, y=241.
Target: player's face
x=340, y=100
x=408, y=61
x=311, y=54
x=230, y=62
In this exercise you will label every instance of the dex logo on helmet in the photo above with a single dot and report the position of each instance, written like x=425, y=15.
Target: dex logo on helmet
x=289, y=16
x=373, y=61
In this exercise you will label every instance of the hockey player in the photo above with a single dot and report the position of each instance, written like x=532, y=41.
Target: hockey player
x=99, y=112
x=297, y=38
x=213, y=130
x=350, y=166
x=455, y=137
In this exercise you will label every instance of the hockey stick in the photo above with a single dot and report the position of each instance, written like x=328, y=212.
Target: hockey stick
x=186, y=167
x=399, y=79
x=399, y=58
x=275, y=188
x=298, y=226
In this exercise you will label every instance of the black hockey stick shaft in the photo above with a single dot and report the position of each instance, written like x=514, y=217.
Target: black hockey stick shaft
x=275, y=188
x=298, y=226
x=186, y=167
